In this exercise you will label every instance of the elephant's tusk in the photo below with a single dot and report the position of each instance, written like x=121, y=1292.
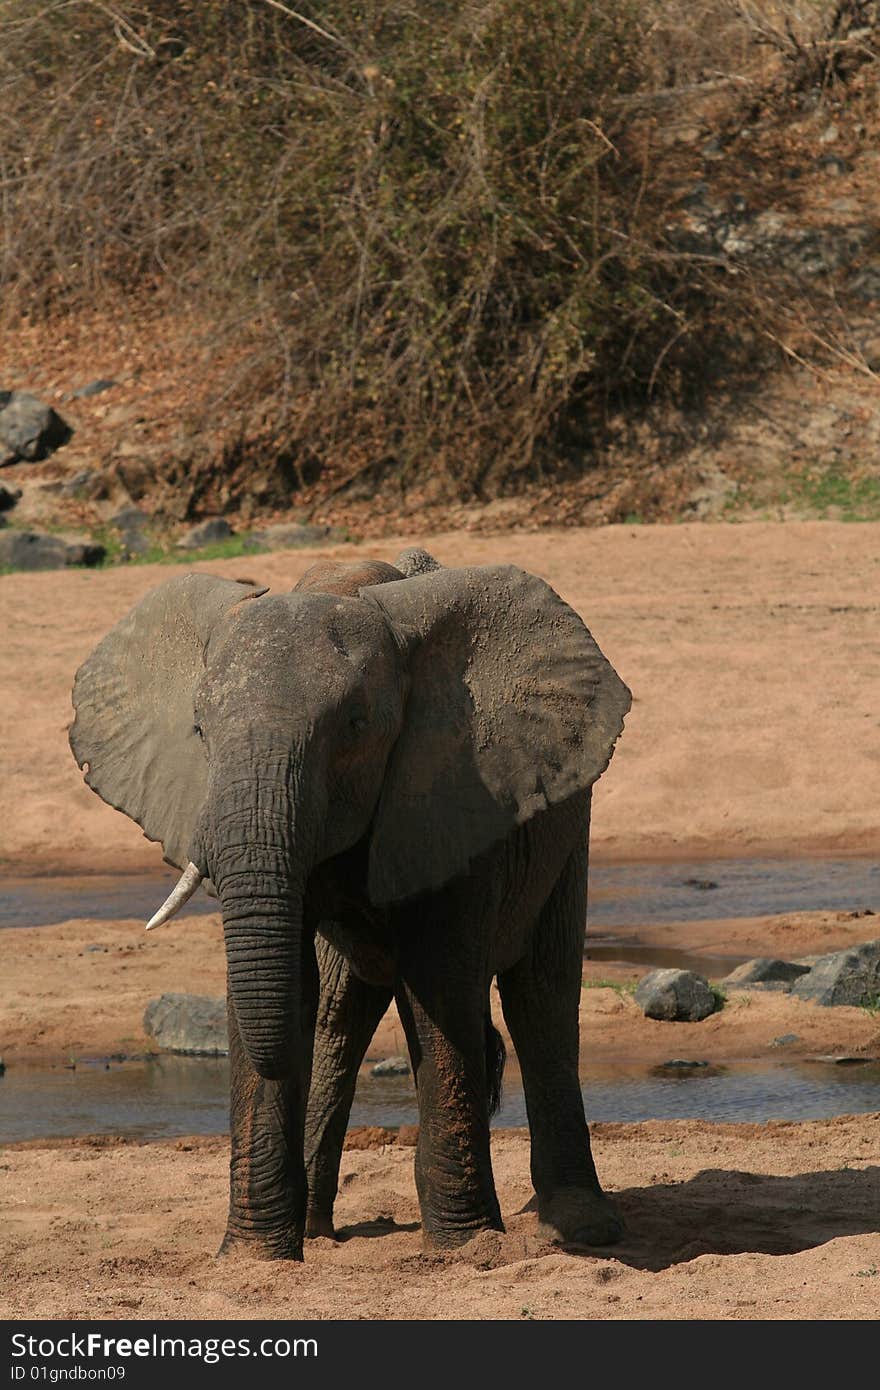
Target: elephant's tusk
x=180, y=894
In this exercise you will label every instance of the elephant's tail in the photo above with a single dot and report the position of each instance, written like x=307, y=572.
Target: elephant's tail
x=496, y=1055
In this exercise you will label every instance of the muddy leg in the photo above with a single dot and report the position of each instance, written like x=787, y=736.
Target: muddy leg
x=348, y=1013
x=443, y=1004
x=540, y=996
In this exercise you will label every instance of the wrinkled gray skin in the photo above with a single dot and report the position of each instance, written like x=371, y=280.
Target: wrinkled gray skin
x=385, y=776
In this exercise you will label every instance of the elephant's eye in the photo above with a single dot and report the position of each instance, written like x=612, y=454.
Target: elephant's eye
x=357, y=724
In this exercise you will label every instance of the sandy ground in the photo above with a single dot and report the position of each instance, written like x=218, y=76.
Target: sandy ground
x=724, y=1221
x=751, y=651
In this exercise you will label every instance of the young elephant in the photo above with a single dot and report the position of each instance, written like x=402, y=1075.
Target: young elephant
x=385, y=778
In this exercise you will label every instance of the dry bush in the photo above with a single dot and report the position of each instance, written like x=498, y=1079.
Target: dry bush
x=437, y=229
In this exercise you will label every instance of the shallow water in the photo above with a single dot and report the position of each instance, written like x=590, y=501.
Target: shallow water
x=171, y=1096
x=623, y=897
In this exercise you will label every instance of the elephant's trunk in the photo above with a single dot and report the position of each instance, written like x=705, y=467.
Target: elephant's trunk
x=260, y=868
x=263, y=934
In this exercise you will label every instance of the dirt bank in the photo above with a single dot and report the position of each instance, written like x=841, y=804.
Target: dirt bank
x=61, y=999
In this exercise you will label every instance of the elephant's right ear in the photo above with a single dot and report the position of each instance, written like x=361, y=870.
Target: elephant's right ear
x=134, y=708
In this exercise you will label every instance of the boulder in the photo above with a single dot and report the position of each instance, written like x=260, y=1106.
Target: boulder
x=288, y=535
x=763, y=972
x=30, y=550
x=391, y=1066
x=675, y=996
x=843, y=977
x=8, y=497
x=90, y=484
x=28, y=428
x=191, y=1024
x=205, y=533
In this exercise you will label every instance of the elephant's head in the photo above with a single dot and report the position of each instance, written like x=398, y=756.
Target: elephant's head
x=258, y=735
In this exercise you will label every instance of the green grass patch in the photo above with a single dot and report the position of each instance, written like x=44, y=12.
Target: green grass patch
x=621, y=986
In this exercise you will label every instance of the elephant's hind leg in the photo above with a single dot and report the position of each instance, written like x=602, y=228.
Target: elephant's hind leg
x=443, y=1006
x=540, y=996
x=348, y=1013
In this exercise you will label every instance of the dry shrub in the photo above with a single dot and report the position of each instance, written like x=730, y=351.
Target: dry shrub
x=437, y=229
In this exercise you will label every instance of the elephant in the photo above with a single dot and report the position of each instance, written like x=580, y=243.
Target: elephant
x=384, y=775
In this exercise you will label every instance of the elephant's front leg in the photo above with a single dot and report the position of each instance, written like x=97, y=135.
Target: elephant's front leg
x=267, y=1190
x=444, y=1013
x=348, y=1013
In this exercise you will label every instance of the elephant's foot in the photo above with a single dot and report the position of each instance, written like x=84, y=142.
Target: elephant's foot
x=439, y=1237
x=319, y=1223
x=285, y=1245
x=578, y=1216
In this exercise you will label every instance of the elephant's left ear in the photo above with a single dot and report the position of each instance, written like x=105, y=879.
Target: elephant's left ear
x=512, y=708
x=134, y=707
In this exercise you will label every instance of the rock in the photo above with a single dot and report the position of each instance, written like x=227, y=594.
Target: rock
x=29, y=550
x=92, y=388
x=132, y=524
x=682, y=1064
x=89, y=484
x=130, y=519
x=8, y=497
x=675, y=996
x=94, y=948
x=830, y=135
x=785, y=1039
x=763, y=971
x=705, y=885
x=841, y=1059
x=843, y=977
x=287, y=535
x=205, y=533
x=391, y=1066
x=28, y=428
x=415, y=561
x=191, y=1024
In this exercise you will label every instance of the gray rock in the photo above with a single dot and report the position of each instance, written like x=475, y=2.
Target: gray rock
x=287, y=535
x=675, y=996
x=841, y=1059
x=415, y=561
x=763, y=971
x=28, y=428
x=130, y=519
x=391, y=1066
x=191, y=1024
x=88, y=483
x=843, y=977
x=132, y=524
x=29, y=550
x=8, y=497
x=92, y=388
x=785, y=1039
x=205, y=533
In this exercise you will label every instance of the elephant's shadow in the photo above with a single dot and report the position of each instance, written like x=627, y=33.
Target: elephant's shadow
x=720, y=1211
x=729, y=1212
